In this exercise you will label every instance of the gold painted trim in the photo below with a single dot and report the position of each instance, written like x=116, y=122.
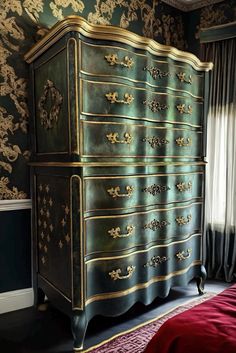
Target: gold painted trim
x=146, y=83
x=199, y=74
x=108, y=258
x=82, y=242
x=154, y=93
x=140, y=176
x=138, y=206
x=113, y=164
x=54, y=287
x=144, y=212
x=142, y=118
x=141, y=285
x=75, y=83
x=139, y=125
x=76, y=23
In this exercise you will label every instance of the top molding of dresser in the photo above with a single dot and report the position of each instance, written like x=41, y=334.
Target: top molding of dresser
x=80, y=25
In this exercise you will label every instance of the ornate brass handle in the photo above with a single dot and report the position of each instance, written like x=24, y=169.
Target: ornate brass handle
x=156, y=260
x=114, y=192
x=113, y=59
x=181, y=254
x=182, y=77
x=181, y=221
x=155, y=72
x=115, y=274
x=113, y=137
x=154, y=105
x=155, y=224
x=115, y=232
x=155, y=141
x=183, y=142
x=112, y=97
x=184, y=186
x=156, y=189
x=182, y=109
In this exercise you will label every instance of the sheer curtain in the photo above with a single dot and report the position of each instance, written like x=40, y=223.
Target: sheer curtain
x=220, y=237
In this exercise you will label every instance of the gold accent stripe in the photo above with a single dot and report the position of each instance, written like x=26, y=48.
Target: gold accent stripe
x=142, y=251
x=76, y=23
x=108, y=83
x=141, y=285
x=199, y=74
x=113, y=164
x=141, y=176
x=138, y=125
x=144, y=212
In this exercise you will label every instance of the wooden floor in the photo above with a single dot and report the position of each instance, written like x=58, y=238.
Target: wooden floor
x=31, y=331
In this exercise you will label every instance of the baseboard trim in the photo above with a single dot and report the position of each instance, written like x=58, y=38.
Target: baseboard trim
x=16, y=300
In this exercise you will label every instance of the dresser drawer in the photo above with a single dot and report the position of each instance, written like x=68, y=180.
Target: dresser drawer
x=119, y=100
x=119, y=273
x=117, y=192
x=111, y=139
x=106, y=60
x=158, y=226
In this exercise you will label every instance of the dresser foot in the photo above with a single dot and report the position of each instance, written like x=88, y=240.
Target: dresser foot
x=201, y=280
x=78, y=326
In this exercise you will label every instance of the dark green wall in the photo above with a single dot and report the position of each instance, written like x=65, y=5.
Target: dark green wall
x=15, y=262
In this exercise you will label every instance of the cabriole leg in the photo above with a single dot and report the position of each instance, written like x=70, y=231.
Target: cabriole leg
x=201, y=280
x=78, y=326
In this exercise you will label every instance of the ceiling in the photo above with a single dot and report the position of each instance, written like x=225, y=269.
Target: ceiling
x=189, y=5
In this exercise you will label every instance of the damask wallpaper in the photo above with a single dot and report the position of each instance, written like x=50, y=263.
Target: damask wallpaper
x=21, y=24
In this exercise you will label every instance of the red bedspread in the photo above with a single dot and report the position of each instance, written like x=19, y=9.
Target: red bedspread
x=209, y=327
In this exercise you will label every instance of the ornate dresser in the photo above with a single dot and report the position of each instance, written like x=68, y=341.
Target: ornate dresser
x=118, y=138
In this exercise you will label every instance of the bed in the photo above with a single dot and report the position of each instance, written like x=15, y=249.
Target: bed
x=209, y=327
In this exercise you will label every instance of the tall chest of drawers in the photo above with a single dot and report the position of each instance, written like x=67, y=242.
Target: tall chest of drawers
x=118, y=139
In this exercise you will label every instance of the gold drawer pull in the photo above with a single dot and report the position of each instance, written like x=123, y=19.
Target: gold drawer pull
x=114, y=192
x=113, y=137
x=184, y=186
x=112, y=97
x=182, y=109
x=156, y=189
x=183, y=142
x=115, y=232
x=154, y=105
x=115, y=274
x=155, y=141
x=181, y=254
x=113, y=59
x=155, y=224
x=181, y=221
x=182, y=77
x=156, y=260
x=155, y=72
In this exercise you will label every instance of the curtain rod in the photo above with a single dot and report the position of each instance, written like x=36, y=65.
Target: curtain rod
x=219, y=32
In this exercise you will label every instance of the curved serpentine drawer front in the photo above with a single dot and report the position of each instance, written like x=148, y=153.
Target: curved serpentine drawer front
x=111, y=139
x=105, y=60
x=143, y=190
x=114, y=274
x=158, y=226
x=119, y=100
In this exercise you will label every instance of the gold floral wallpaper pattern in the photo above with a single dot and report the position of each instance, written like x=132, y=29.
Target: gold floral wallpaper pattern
x=22, y=23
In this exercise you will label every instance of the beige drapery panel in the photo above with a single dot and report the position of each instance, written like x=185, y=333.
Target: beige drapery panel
x=220, y=239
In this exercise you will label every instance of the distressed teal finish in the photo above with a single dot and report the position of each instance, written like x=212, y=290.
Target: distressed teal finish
x=99, y=280
x=145, y=68
x=122, y=162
